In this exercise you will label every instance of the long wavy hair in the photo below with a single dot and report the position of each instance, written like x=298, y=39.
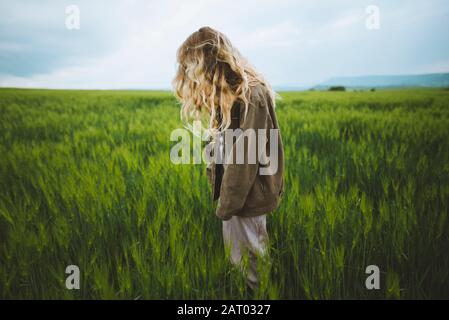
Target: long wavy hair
x=211, y=76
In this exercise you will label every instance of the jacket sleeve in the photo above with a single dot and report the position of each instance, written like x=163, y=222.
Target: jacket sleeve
x=239, y=178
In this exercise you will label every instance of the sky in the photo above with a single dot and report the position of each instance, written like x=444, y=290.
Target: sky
x=294, y=44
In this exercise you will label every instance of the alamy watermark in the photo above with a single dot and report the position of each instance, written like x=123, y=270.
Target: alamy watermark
x=73, y=280
x=72, y=19
x=251, y=146
x=372, y=21
x=373, y=280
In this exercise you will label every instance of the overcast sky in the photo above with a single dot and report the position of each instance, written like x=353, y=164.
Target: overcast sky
x=132, y=44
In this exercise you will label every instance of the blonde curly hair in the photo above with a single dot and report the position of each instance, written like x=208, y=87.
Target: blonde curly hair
x=211, y=75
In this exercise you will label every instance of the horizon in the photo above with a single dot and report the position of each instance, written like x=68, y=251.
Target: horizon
x=279, y=88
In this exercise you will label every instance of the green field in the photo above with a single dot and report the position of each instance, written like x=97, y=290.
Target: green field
x=86, y=179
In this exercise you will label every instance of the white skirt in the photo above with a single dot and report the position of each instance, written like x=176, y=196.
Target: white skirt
x=246, y=235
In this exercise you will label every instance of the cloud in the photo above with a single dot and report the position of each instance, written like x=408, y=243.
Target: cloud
x=347, y=21
x=281, y=35
x=133, y=44
x=435, y=67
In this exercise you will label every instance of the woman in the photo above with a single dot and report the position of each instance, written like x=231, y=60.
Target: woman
x=214, y=81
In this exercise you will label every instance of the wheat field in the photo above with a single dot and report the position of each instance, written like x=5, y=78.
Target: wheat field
x=86, y=180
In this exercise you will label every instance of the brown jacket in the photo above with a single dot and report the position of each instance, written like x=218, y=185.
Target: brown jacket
x=239, y=187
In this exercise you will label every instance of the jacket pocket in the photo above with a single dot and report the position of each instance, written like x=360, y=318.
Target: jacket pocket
x=257, y=194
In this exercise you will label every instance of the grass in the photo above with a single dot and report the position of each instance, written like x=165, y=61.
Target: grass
x=86, y=179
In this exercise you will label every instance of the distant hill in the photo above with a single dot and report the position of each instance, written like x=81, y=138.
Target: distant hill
x=388, y=81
